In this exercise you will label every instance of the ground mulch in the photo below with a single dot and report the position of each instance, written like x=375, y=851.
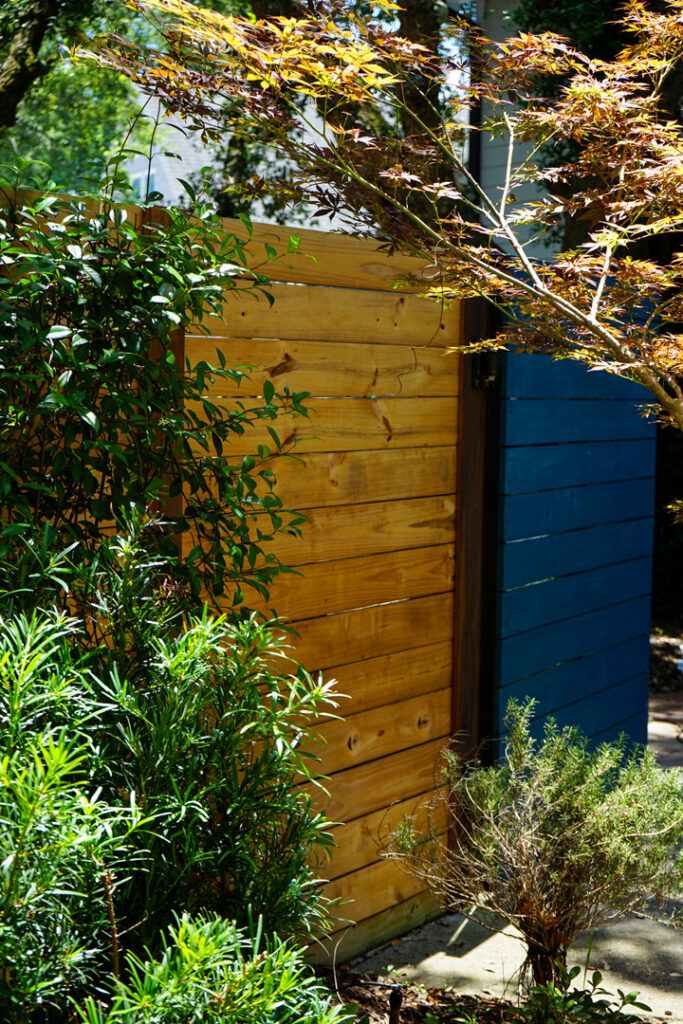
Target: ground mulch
x=419, y=1005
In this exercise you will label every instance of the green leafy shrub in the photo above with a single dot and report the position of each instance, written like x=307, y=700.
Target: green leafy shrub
x=558, y=1002
x=210, y=972
x=135, y=788
x=555, y=839
x=98, y=416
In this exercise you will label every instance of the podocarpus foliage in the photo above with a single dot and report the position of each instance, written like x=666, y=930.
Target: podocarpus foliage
x=211, y=972
x=600, y=303
x=98, y=415
x=154, y=777
x=556, y=839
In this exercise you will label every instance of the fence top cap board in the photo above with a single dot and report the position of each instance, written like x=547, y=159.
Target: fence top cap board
x=335, y=260
x=322, y=257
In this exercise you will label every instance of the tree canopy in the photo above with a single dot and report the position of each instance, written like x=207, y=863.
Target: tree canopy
x=598, y=302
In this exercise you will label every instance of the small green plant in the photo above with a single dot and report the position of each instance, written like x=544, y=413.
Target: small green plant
x=557, y=1003
x=555, y=839
x=209, y=971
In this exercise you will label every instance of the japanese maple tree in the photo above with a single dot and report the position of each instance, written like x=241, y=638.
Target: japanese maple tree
x=601, y=303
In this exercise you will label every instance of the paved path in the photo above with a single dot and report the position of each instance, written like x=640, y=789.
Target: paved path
x=635, y=954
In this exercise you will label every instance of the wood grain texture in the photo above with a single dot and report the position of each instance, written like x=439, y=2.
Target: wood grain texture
x=352, y=530
x=372, y=889
x=368, y=633
x=360, y=842
x=343, y=584
x=377, y=682
x=348, y=941
x=322, y=257
x=378, y=784
x=334, y=314
x=381, y=731
x=349, y=424
x=338, y=478
x=327, y=368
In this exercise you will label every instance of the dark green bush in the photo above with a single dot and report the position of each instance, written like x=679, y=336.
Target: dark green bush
x=98, y=417
x=125, y=800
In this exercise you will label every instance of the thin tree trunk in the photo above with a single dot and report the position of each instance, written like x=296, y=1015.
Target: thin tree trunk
x=21, y=66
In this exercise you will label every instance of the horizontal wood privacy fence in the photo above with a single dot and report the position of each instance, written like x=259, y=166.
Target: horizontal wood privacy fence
x=575, y=546
x=373, y=606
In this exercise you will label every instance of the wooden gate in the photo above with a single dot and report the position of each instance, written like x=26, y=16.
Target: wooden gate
x=374, y=604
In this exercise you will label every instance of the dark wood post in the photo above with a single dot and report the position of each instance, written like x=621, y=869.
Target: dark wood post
x=477, y=534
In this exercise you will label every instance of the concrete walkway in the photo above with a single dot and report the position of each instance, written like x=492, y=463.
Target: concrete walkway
x=634, y=954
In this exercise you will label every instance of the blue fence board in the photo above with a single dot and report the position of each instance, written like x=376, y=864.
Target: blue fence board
x=576, y=680
x=558, y=599
x=575, y=526
x=538, y=376
x=634, y=727
x=531, y=422
x=573, y=508
x=545, y=467
x=559, y=554
x=524, y=654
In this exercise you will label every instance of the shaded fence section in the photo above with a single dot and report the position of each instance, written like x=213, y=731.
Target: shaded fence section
x=373, y=605
x=575, y=549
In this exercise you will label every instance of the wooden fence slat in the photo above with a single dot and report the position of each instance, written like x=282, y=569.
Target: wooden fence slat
x=360, y=842
x=370, y=787
x=354, y=530
x=344, y=584
x=381, y=731
x=324, y=368
x=524, y=654
x=539, y=468
x=372, y=889
x=338, y=478
x=543, y=558
x=333, y=314
x=573, y=508
x=577, y=679
x=348, y=942
x=367, y=633
x=634, y=727
x=598, y=709
x=322, y=257
x=534, y=422
x=538, y=376
x=553, y=600
x=377, y=682
x=351, y=424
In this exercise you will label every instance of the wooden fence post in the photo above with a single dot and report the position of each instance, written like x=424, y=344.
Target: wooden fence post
x=477, y=535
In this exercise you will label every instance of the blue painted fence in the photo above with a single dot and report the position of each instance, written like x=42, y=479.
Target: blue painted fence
x=575, y=546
